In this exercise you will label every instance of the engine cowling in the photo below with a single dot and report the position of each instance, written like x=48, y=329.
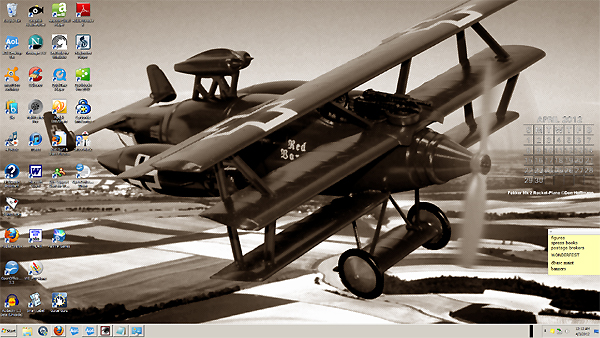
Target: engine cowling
x=431, y=158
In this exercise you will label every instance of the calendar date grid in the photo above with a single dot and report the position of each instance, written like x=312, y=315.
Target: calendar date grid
x=558, y=153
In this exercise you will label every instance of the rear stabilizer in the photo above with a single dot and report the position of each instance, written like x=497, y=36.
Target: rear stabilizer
x=162, y=90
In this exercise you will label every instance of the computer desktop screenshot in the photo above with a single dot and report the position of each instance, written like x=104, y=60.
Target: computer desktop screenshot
x=300, y=168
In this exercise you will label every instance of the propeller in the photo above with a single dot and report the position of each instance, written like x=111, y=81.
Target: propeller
x=476, y=199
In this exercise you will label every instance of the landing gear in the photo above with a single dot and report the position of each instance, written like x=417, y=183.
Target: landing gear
x=360, y=274
x=431, y=215
x=361, y=271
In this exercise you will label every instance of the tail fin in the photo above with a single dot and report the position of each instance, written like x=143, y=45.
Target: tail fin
x=61, y=139
x=162, y=91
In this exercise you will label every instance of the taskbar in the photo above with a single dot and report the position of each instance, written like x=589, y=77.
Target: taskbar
x=249, y=329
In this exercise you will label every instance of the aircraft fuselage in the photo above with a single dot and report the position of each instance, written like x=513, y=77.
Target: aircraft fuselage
x=430, y=159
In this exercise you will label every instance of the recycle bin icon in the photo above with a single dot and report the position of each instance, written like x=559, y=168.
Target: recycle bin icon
x=12, y=9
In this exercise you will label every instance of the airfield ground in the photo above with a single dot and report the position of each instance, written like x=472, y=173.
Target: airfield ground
x=156, y=252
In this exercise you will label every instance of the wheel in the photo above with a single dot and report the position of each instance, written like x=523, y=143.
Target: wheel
x=360, y=274
x=431, y=214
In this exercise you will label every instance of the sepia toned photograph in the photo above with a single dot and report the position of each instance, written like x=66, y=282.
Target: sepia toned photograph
x=321, y=164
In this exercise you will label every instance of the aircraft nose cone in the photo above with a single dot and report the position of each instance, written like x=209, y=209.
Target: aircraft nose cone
x=110, y=161
x=481, y=164
x=448, y=160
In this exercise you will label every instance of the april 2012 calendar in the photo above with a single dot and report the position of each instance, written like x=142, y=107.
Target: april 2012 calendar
x=559, y=150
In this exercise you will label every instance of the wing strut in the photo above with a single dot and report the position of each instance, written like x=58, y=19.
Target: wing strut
x=252, y=177
x=501, y=55
x=485, y=36
x=356, y=237
x=224, y=192
x=403, y=77
x=461, y=42
x=352, y=115
x=506, y=95
x=379, y=223
x=469, y=119
x=399, y=210
x=269, y=248
x=416, y=223
x=463, y=59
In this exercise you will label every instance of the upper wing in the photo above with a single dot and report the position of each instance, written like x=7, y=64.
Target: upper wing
x=203, y=150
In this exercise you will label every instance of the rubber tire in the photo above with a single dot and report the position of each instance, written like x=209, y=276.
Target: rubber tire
x=365, y=257
x=437, y=242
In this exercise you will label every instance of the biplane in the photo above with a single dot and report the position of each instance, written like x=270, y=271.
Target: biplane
x=268, y=148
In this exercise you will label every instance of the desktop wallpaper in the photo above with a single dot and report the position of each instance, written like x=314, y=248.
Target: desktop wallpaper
x=131, y=255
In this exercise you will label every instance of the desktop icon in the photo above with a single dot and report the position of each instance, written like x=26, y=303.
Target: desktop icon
x=43, y=331
x=82, y=74
x=58, y=172
x=11, y=268
x=137, y=331
x=35, y=106
x=35, y=74
x=12, y=107
x=35, y=268
x=35, y=10
x=35, y=171
x=59, y=299
x=83, y=171
x=121, y=331
x=105, y=330
x=11, y=235
x=83, y=107
x=82, y=9
x=11, y=300
x=59, y=41
x=11, y=42
x=59, y=10
x=35, y=42
x=74, y=330
x=59, y=140
x=59, y=75
x=90, y=331
x=59, y=330
x=11, y=171
x=12, y=204
x=82, y=140
x=59, y=106
x=35, y=235
x=12, y=141
x=59, y=236
x=84, y=41
x=11, y=74
x=35, y=139
x=27, y=331
x=12, y=9
x=35, y=300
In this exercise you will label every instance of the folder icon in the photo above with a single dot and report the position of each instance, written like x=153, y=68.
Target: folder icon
x=27, y=331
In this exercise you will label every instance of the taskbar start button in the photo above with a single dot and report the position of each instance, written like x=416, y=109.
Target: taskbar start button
x=8, y=331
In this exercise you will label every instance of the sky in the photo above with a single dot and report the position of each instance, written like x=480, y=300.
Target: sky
x=301, y=40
